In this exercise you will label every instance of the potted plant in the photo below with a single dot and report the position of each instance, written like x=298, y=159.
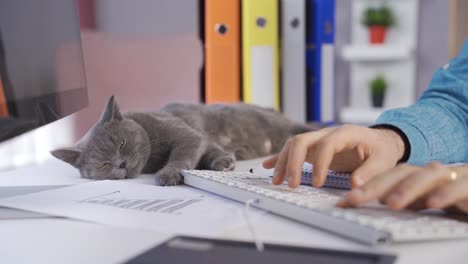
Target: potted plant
x=378, y=20
x=378, y=87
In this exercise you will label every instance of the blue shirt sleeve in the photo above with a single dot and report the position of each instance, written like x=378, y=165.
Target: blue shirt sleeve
x=437, y=125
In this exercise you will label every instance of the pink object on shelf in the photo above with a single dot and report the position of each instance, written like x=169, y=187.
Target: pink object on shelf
x=142, y=72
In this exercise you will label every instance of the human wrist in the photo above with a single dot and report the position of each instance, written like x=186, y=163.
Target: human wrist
x=397, y=142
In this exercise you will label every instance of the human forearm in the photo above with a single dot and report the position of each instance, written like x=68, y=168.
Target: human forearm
x=433, y=134
x=437, y=125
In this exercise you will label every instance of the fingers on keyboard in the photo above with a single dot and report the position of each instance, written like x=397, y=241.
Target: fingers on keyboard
x=280, y=167
x=270, y=163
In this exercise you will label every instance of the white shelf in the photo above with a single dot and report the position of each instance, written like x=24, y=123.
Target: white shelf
x=362, y=116
x=376, y=52
x=395, y=60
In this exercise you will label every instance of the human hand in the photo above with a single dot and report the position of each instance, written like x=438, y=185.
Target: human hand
x=363, y=151
x=412, y=187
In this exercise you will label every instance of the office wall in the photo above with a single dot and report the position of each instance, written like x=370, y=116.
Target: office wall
x=145, y=52
x=433, y=44
x=155, y=17
x=433, y=48
x=144, y=73
x=458, y=25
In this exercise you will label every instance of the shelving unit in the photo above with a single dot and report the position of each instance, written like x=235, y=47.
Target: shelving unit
x=396, y=60
x=360, y=115
x=376, y=53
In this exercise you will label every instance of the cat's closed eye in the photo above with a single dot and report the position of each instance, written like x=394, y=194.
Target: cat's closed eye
x=103, y=165
x=122, y=145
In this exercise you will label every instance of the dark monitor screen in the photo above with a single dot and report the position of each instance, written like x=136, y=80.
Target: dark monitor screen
x=42, y=75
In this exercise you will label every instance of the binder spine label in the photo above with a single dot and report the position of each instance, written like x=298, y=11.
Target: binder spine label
x=328, y=83
x=263, y=75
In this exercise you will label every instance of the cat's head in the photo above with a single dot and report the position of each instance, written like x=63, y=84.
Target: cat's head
x=114, y=148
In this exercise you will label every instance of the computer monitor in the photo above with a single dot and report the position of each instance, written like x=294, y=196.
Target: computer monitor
x=42, y=75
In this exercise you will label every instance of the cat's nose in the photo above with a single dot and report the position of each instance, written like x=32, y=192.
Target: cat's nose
x=123, y=165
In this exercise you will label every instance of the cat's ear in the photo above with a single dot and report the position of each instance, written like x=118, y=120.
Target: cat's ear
x=69, y=155
x=111, y=112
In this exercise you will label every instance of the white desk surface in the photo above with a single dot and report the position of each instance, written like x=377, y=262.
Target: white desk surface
x=54, y=240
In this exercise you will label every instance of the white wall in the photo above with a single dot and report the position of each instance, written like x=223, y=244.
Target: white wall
x=433, y=50
x=154, y=17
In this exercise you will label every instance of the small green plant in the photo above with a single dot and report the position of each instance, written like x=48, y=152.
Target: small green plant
x=381, y=16
x=378, y=85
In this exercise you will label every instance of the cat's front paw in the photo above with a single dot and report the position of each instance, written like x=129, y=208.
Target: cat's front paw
x=223, y=163
x=168, y=177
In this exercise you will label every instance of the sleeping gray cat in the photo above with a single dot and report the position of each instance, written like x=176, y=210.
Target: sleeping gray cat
x=178, y=137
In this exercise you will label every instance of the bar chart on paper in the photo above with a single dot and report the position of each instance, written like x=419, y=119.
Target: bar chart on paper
x=174, y=210
x=167, y=206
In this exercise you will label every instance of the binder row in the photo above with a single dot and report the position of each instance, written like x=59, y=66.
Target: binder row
x=277, y=54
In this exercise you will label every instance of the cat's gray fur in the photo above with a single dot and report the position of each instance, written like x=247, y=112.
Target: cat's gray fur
x=178, y=137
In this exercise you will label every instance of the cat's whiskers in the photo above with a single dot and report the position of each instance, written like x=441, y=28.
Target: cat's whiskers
x=153, y=143
x=133, y=158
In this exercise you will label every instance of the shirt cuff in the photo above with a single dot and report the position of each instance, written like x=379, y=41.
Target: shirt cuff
x=419, y=152
x=403, y=137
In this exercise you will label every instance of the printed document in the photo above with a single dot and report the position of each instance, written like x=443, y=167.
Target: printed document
x=172, y=210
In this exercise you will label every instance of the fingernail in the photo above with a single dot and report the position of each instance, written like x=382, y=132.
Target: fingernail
x=275, y=176
x=351, y=198
x=291, y=184
x=354, y=198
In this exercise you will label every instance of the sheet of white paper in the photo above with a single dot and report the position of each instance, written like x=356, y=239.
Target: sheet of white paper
x=171, y=210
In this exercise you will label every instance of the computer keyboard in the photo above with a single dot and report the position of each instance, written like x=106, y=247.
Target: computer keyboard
x=316, y=207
